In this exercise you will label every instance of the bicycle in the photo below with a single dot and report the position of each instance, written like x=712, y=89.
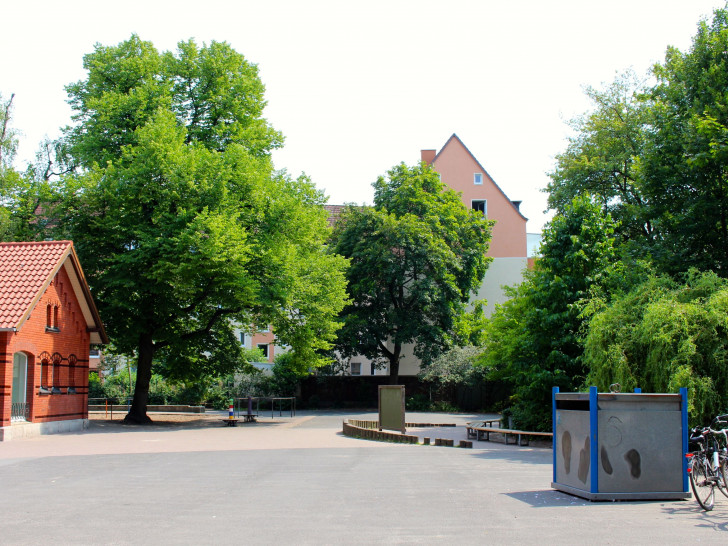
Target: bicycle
x=709, y=463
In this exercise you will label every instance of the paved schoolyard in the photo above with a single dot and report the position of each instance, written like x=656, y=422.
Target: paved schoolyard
x=300, y=481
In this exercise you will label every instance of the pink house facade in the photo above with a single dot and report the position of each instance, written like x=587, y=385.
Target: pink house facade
x=461, y=171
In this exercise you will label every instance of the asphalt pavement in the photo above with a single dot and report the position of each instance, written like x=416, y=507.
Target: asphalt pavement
x=298, y=480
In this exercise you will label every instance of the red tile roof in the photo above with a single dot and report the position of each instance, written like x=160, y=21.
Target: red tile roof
x=26, y=269
x=334, y=213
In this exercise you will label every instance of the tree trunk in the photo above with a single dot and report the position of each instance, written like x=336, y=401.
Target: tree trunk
x=393, y=372
x=138, y=413
x=394, y=364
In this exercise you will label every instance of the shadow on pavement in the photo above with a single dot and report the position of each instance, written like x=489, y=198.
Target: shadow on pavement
x=534, y=456
x=547, y=497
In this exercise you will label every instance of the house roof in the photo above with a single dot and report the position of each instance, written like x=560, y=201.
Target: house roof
x=26, y=270
x=455, y=138
x=334, y=213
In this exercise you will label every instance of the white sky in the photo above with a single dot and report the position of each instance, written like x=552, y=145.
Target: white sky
x=358, y=87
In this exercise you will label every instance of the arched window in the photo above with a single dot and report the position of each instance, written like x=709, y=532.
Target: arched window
x=45, y=372
x=52, y=324
x=57, y=358
x=72, y=373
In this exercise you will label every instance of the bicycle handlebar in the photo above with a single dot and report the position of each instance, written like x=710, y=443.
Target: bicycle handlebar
x=701, y=434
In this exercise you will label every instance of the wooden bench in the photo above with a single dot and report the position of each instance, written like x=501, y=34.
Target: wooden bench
x=230, y=422
x=521, y=437
x=472, y=426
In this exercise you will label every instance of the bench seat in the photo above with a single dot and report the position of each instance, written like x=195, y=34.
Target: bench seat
x=473, y=425
x=520, y=437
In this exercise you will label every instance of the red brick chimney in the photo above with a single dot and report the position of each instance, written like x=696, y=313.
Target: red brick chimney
x=428, y=155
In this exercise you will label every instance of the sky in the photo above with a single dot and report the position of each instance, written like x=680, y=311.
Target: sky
x=359, y=87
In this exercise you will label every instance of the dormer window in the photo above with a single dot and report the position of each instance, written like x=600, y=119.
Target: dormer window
x=478, y=179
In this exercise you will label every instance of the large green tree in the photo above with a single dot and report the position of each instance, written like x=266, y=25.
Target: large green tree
x=183, y=228
x=416, y=257
x=602, y=155
x=684, y=163
x=533, y=340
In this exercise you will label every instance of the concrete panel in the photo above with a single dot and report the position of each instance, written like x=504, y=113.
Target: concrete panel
x=639, y=451
x=572, y=448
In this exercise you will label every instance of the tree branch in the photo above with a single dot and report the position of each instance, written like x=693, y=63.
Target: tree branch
x=6, y=121
x=219, y=313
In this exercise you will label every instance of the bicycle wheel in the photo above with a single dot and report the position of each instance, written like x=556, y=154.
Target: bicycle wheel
x=723, y=476
x=703, y=487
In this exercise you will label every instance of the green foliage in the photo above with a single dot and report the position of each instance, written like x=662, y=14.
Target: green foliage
x=20, y=193
x=442, y=406
x=533, y=339
x=683, y=165
x=416, y=257
x=655, y=158
x=8, y=136
x=453, y=369
x=114, y=387
x=285, y=377
x=183, y=228
x=663, y=335
x=418, y=402
x=601, y=158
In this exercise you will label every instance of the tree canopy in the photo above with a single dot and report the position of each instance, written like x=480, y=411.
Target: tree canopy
x=21, y=193
x=662, y=335
x=684, y=162
x=654, y=157
x=533, y=340
x=602, y=158
x=182, y=226
x=416, y=258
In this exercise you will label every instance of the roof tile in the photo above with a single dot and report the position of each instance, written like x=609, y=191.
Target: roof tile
x=24, y=269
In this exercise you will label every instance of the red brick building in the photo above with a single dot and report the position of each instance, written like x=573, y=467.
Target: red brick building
x=48, y=321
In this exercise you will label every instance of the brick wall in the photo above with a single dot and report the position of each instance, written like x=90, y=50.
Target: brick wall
x=56, y=343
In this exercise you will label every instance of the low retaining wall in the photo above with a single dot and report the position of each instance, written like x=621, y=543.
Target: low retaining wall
x=21, y=430
x=369, y=430
x=157, y=408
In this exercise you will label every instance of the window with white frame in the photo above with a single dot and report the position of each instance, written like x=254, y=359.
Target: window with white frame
x=374, y=369
x=356, y=368
x=481, y=205
x=263, y=347
x=478, y=179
